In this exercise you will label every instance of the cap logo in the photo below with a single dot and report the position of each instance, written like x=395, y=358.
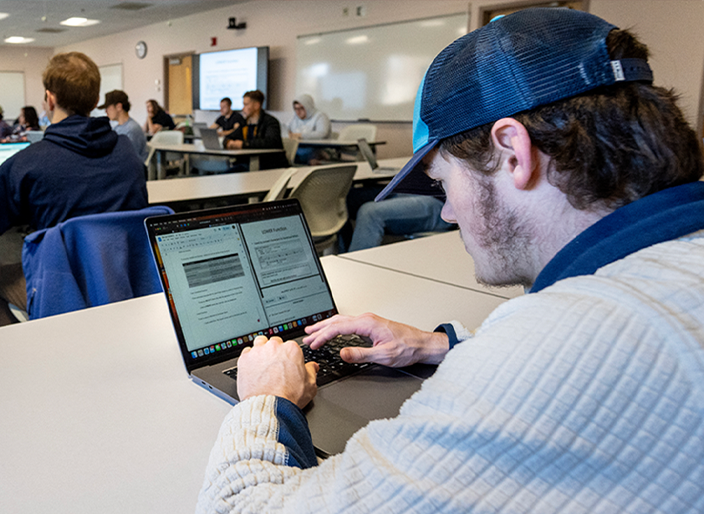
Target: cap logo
x=618, y=71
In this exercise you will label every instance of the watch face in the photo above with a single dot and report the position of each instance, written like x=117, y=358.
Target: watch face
x=141, y=49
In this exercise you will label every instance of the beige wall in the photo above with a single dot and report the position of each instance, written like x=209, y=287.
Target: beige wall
x=670, y=28
x=32, y=62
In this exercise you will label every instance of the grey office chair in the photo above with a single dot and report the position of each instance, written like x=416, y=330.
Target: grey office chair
x=291, y=147
x=278, y=190
x=168, y=137
x=322, y=194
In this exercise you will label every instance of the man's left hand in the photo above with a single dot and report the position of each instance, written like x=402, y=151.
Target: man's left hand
x=276, y=368
x=234, y=144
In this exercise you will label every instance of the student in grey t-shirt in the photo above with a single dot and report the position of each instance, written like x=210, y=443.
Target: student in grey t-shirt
x=117, y=107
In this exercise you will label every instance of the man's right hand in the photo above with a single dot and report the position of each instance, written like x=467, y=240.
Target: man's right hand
x=394, y=344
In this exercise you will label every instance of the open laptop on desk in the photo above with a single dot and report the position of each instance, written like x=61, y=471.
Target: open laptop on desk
x=233, y=273
x=369, y=156
x=7, y=150
x=210, y=139
x=197, y=127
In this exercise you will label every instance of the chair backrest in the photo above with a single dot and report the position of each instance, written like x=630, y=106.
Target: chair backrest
x=290, y=147
x=322, y=194
x=278, y=190
x=358, y=131
x=168, y=137
x=89, y=260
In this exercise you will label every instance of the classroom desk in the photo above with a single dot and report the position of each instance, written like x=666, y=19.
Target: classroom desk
x=440, y=257
x=197, y=149
x=238, y=187
x=336, y=143
x=231, y=187
x=98, y=414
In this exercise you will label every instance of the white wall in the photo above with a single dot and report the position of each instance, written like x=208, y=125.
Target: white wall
x=670, y=28
x=32, y=62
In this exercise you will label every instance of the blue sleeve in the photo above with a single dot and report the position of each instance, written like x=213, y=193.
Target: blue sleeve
x=295, y=435
x=448, y=329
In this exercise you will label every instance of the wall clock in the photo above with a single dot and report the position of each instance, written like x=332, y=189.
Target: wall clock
x=141, y=49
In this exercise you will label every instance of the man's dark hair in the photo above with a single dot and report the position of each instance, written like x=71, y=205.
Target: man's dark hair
x=255, y=95
x=608, y=147
x=226, y=100
x=75, y=80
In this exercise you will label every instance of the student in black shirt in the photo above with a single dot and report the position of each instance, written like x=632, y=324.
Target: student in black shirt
x=157, y=119
x=229, y=120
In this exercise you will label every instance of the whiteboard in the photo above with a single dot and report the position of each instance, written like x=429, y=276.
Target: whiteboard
x=11, y=94
x=372, y=73
x=110, y=79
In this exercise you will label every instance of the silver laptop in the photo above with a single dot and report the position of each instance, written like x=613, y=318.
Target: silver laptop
x=210, y=139
x=369, y=156
x=197, y=127
x=232, y=273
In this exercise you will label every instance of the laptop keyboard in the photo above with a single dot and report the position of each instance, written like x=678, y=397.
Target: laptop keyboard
x=328, y=358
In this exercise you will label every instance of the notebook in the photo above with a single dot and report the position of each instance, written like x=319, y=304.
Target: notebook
x=369, y=156
x=210, y=139
x=7, y=150
x=232, y=273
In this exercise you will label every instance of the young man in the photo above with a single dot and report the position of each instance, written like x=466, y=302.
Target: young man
x=260, y=130
x=569, y=173
x=117, y=108
x=80, y=167
x=228, y=120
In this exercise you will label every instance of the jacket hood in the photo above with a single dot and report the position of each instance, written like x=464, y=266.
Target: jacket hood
x=92, y=137
x=307, y=102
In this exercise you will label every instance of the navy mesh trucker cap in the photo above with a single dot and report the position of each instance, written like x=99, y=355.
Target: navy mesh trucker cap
x=521, y=61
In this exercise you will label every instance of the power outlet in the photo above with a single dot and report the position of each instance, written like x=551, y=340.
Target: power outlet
x=360, y=11
x=345, y=12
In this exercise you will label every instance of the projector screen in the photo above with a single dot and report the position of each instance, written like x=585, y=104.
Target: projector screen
x=229, y=73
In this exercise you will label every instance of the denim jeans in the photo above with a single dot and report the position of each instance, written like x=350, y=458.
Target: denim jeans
x=397, y=215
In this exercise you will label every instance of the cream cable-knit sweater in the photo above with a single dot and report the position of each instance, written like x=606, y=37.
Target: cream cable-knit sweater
x=585, y=397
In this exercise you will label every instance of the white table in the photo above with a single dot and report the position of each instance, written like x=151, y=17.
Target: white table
x=198, y=149
x=98, y=414
x=440, y=257
x=240, y=186
x=236, y=187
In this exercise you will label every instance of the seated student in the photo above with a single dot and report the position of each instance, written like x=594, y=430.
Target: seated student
x=117, y=107
x=80, y=167
x=307, y=123
x=399, y=215
x=157, y=119
x=28, y=120
x=261, y=130
x=5, y=128
x=570, y=173
x=228, y=120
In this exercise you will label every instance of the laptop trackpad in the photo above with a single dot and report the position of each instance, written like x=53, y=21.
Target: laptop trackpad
x=345, y=406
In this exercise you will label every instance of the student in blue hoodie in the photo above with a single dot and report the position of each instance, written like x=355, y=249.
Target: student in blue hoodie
x=80, y=167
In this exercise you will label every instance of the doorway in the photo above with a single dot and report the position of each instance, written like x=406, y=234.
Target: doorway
x=179, y=86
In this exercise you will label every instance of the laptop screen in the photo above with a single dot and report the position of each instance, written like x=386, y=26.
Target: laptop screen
x=7, y=150
x=233, y=273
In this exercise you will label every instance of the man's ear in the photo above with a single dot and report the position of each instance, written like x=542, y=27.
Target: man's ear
x=50, y=100
x=512, y=139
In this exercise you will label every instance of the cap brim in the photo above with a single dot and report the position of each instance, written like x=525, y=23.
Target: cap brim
x=412, y=179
